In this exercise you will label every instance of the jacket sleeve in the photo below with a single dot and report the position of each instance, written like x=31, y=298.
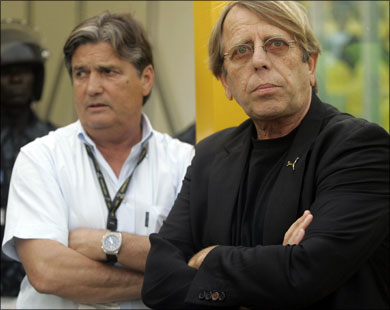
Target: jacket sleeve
x=167, y=276
x=351, y=211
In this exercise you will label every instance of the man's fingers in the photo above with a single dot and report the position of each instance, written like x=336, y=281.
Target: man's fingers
x=296, y=232
x=306, y=222
x=293, y=227
x=199, y=257
x=301, y=229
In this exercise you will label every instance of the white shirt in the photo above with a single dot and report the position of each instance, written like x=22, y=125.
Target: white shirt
x=54, y=189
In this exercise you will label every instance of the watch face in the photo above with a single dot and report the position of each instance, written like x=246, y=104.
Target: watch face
x=111, y=243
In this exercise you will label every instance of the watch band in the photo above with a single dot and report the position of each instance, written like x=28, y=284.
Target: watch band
x=112, y=258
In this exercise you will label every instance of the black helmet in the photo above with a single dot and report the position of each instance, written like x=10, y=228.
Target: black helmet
x=20, y=44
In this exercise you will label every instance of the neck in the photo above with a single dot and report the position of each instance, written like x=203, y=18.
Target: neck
x=274, y=129
x=16, y=119
x=116, y=147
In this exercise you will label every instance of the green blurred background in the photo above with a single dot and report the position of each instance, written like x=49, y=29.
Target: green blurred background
x=353, y=68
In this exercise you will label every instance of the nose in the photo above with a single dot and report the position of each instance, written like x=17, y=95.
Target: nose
x=95, y=85
x=15, y=77
x=260, y=58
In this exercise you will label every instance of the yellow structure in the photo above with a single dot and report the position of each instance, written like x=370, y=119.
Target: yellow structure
x=213, y=110
x=342, y=86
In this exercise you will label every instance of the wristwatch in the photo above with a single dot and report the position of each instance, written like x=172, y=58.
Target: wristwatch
x=111, y=245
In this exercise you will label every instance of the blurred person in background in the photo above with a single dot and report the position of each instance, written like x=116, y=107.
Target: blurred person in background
x=188, y=135
x=22, y=79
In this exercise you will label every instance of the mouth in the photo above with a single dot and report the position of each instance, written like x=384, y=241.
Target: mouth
x=18, y=95
x=96, y=105
x=265, y=88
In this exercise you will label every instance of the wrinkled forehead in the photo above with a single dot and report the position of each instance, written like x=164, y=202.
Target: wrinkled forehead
x=94, y=51
x=242, y=25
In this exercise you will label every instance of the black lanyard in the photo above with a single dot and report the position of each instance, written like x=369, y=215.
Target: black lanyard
x=112, y=206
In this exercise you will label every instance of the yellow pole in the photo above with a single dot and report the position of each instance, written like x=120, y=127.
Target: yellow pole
x=213, y=110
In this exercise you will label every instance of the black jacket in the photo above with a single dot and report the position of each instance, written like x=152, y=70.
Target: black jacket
x=342, y=176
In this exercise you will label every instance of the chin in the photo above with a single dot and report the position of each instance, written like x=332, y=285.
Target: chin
x=98, y=126
x=17, y=104
x=266, y=110
x=95, y=125
x=98, y=121
x=266, y=115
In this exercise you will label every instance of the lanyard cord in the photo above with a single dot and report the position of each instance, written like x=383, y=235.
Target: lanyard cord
x=112, y=206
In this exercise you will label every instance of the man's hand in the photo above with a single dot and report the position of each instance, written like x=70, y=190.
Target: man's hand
x=294, y=235
x=296, y=232
x=88, y=242
x=199, y=257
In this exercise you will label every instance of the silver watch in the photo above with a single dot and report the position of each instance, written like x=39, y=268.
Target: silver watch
x=111, y=245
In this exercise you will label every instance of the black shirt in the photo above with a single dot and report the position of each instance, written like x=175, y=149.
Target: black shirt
x=264, y=162
x=12, y=140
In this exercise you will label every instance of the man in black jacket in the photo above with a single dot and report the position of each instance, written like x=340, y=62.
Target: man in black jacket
x=224, y=242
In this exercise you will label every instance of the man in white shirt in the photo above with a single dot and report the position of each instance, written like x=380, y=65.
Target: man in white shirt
x=84, y=198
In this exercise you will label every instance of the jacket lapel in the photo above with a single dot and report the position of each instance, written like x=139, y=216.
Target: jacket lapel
x=225, y=179
x=283, y=206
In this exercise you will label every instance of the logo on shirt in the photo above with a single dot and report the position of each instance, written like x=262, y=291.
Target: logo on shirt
x=292, y=164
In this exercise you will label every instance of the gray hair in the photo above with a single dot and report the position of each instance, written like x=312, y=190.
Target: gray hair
x=126, y=35
x=287, y=15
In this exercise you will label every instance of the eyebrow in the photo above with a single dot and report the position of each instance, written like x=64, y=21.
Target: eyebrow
x=98, y=67
x=78, y=68
x=107, y=67
x=242, y=41
x=249, y=41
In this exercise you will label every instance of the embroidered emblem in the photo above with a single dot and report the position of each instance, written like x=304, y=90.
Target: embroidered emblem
x=289, y=163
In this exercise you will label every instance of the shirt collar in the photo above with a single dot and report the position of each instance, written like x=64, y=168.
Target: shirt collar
x=147, y=132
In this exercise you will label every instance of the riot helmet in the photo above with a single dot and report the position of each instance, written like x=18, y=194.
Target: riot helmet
x=21, y=44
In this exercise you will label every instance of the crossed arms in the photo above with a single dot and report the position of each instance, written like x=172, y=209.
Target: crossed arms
x=78, y=272
x=345, y=188
x=294, y=235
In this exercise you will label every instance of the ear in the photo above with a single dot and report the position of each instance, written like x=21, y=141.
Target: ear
x=225, y=85
x=312, y=65
x=147, y=79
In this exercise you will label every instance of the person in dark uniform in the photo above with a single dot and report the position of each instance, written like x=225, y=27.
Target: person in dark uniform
x=22, y=78
x=188, y=135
